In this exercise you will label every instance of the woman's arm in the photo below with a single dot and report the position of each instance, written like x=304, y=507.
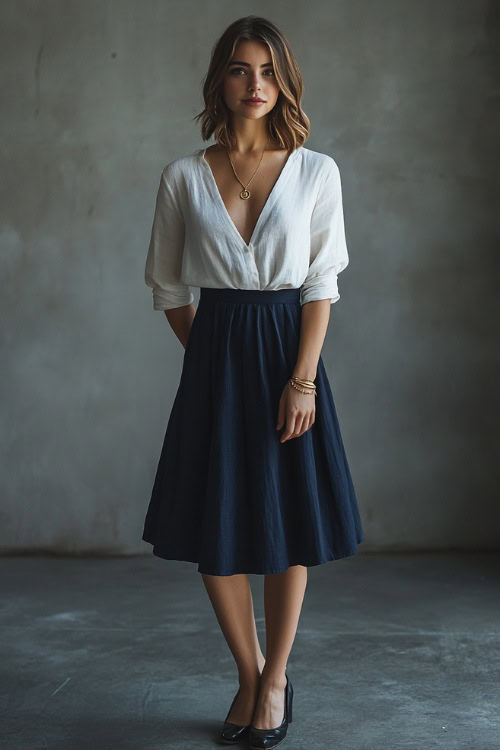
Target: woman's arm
x=328, y=257
x=297, y=410
x=314, y=324
x=181, y=320
x=163, y=267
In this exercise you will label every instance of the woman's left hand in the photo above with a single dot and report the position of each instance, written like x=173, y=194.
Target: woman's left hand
x=299, y=410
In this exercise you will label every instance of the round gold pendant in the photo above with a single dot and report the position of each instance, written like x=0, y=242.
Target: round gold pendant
x=245, y=194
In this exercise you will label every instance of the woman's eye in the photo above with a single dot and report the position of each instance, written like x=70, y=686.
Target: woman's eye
x=235, y=71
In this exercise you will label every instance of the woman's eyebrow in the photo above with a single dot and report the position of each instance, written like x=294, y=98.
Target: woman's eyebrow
x=240, y=62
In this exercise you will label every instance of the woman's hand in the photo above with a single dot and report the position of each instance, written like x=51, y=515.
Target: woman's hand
x=299, y=409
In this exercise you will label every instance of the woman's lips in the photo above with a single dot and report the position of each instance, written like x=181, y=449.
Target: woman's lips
x=253, y=102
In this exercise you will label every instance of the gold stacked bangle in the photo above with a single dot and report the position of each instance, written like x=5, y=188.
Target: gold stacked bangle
x=298, y=382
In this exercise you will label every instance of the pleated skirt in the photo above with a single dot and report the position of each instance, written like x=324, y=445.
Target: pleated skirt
x=227, y=494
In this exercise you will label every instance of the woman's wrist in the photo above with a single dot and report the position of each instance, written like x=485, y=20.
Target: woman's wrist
x=304, y=372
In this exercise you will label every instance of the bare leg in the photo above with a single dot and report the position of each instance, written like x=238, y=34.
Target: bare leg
x=231, y=598
x=283, y=597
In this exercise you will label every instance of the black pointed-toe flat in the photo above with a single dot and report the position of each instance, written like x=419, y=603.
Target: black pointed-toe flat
x=265, y=739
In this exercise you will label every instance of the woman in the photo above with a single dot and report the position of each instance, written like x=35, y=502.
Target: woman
x=252, y=476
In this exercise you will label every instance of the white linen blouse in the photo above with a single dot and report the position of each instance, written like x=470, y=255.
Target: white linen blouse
x=298, y=240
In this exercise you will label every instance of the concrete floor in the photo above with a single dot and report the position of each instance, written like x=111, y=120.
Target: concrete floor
x=392, y=651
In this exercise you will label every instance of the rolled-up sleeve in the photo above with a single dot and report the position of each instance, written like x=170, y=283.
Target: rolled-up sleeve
x=164, y=259
x=328, y=249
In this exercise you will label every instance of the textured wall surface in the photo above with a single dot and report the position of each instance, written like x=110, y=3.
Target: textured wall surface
x=97, y=98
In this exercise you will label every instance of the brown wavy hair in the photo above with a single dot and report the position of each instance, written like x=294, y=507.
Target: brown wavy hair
x=287, y=121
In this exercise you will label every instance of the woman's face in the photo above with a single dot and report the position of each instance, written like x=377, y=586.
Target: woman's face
x=250, y=75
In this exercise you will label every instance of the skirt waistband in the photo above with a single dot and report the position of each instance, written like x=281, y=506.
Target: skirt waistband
x=264, y=296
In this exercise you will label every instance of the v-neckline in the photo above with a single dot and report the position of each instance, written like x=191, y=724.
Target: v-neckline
x=271, y=198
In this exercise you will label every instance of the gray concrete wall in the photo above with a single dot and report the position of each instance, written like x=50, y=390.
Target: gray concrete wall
x=98, y=97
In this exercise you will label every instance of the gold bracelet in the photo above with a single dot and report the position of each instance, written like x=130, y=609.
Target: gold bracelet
x=303, y=381
x=310, y=392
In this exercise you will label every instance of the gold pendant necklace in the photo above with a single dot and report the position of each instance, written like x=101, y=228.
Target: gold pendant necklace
x=245, y=194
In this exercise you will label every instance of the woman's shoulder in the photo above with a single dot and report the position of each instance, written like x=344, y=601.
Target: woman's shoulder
x=320, y=164
x=179, y=167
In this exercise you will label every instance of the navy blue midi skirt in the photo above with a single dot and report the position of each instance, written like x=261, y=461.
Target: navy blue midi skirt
x=227, y=494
